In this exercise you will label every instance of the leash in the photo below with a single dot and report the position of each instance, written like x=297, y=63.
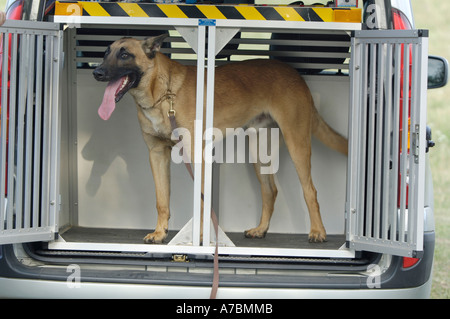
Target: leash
x=171, y=114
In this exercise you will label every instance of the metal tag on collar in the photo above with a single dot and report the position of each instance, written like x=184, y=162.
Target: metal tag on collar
x=171, y=111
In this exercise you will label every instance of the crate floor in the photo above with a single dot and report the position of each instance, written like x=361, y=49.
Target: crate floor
x=135, y=236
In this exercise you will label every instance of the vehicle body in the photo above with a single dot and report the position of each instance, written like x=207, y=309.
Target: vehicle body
x=89, y=196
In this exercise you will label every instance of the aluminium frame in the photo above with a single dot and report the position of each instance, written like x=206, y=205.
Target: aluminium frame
x=219, y=32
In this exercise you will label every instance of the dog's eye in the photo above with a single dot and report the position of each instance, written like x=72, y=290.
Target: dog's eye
x=124, y=55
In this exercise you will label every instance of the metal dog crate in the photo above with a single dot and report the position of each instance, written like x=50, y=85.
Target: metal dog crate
x=87, y=184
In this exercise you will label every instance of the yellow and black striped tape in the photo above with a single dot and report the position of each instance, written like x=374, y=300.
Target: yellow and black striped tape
x=242, y=12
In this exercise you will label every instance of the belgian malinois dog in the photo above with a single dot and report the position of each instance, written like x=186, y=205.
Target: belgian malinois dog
x=244, y=92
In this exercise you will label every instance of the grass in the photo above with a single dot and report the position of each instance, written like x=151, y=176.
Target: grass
x=431, y=15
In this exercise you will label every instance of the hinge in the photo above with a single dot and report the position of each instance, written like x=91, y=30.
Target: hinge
x=416, y=143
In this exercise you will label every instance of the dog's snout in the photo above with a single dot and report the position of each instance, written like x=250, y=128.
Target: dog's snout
x=99, y=74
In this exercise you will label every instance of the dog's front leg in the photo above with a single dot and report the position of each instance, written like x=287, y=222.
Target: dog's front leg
x=160, y=163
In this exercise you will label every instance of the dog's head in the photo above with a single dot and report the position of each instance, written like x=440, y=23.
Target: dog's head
x=123, y=67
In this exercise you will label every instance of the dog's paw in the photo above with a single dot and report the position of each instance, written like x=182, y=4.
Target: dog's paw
x=255, y=233
x=156, y=237
x=317, y=236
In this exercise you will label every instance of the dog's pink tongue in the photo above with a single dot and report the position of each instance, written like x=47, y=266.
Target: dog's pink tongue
x=108, y=104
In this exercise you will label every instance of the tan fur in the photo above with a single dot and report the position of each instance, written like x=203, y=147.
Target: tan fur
x=243, y=91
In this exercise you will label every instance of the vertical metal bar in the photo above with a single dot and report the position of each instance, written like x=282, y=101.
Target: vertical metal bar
x=412, y=209
x=55, y=60
x=23, y=83
x=4, y=129
x=362, y=164
x=44, y=218
x=420, y=115
x=356, y=67
x=387, y=155
x=37, y=133
x=379, y=141
x=371, y=141
x=29, y=129
x=396, y=142
x=12, y=131
x=417, y=153
x=208, y=135
x=404, y=153
x=51, y=107
x=198, y=140
x=71, y=98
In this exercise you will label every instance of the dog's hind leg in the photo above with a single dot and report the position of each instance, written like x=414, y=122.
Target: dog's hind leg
x=299, y=146
x=296, y=127
x=268, y=187
x=269, y=194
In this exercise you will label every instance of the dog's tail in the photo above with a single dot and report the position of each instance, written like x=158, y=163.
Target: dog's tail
x=327, y=135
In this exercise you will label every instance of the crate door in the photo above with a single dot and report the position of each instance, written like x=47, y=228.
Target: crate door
x=29, y=154
x=385, y=195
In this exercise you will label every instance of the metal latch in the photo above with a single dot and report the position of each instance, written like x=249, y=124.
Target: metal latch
x=416, y=143
x=180, y=258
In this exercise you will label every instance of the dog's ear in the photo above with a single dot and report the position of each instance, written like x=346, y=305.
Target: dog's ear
x=152, y=45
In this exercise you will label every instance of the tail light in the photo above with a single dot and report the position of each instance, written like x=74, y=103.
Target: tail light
x=400, y=21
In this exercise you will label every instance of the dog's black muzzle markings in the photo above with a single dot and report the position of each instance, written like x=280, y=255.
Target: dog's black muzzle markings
x=106, y=74
x=100, y=74
x=111, y=74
